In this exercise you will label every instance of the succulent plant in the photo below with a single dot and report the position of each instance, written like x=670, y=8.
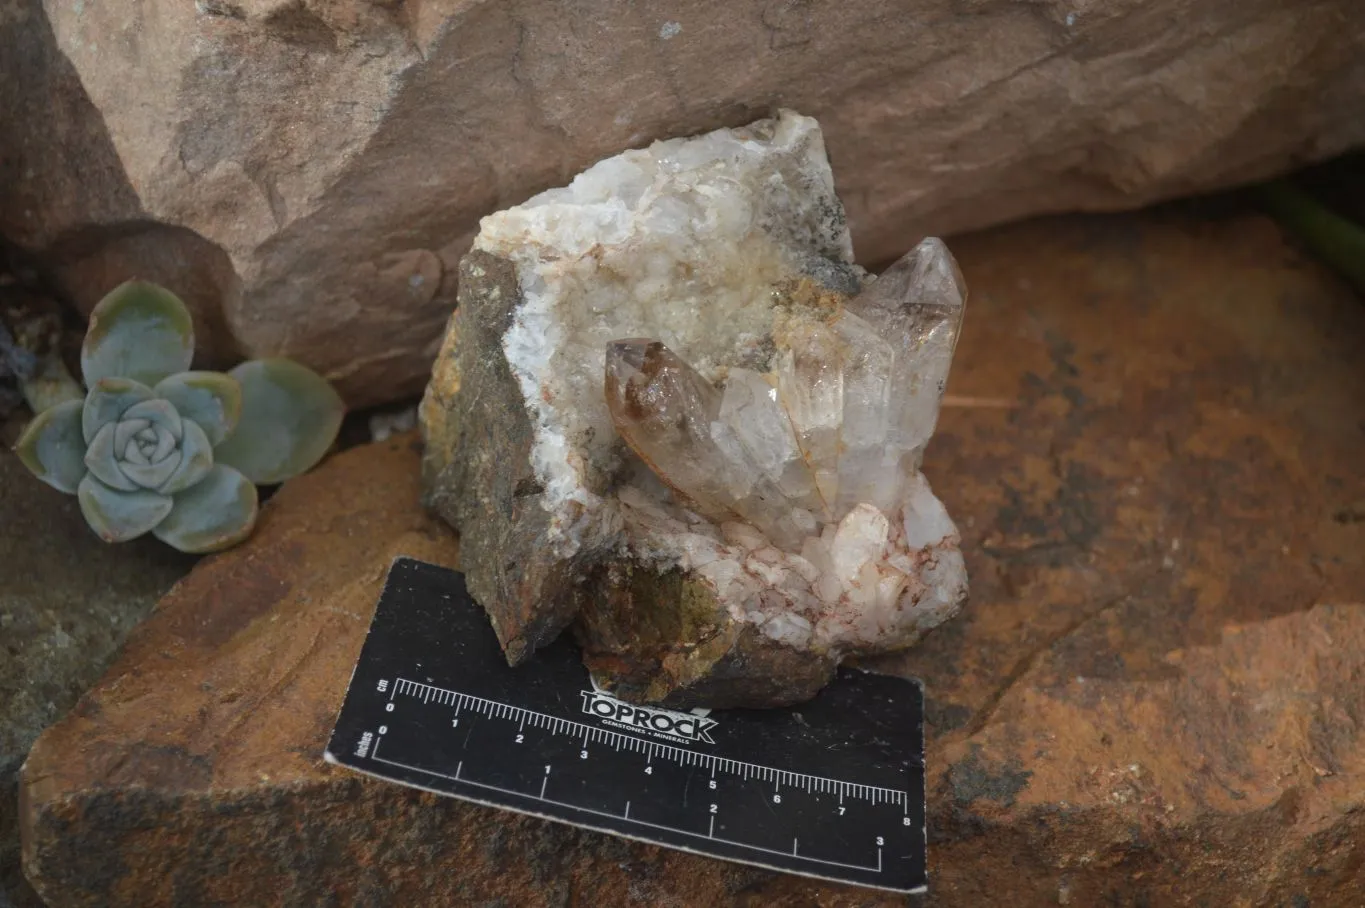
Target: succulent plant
x=155, y=448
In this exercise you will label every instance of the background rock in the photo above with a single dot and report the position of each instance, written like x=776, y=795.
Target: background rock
x=67, y=601
x=340, y=153
x=58, y=169
x=87, y=265
x=1152, y=698
x=64, y=193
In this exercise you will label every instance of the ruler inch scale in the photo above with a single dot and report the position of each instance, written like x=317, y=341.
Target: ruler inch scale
x=832, y=788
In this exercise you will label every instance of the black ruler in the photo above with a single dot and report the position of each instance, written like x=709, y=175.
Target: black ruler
x=832, y=788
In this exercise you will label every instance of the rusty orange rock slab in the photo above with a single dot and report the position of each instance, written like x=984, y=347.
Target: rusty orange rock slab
x=1153, y=689
x=1153, y=697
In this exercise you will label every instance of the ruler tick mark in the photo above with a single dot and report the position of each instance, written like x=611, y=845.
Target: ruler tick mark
x=543, y=782
x=634, y=744
x=589, y=810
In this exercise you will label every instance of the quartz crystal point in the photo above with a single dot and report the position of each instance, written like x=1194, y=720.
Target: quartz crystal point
x=841, y=422
x=810, y=390
x=917, y=305
x=668, y=413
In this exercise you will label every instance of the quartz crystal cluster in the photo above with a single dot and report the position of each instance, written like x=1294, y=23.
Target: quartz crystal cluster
x=738, y=506
x=810, y=468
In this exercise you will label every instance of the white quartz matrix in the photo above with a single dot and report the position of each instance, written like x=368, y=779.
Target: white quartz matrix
x=688, y=243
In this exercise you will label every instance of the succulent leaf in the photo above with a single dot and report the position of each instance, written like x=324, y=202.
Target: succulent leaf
x=217, y=512
x=196, y=459
x=139, y=331
x=124, y=430
x=165, y=442
x=211, y=399
x=102, y=459
x=159, y=413
x=153, y=474
x=118, y=516
x=52, y=446
x=132, y=451
x=290, y=417
x=108, y=399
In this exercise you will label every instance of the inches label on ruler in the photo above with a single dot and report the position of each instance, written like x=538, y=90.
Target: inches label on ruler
x=832, y=788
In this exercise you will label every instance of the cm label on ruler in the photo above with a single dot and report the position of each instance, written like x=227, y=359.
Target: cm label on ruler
x=832, y=789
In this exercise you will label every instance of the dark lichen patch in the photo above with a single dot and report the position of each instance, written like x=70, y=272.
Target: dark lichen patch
x=972, y=780
x=942, y=717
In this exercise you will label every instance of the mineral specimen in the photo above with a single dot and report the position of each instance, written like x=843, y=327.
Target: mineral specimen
x=742, y=508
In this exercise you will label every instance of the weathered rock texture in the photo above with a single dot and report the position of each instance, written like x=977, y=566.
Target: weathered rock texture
x=340, y=153
x=67, y=601
x=492, y=491
x=1153, y=698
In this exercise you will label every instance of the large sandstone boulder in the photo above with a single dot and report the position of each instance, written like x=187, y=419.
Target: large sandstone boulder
x=335, y=155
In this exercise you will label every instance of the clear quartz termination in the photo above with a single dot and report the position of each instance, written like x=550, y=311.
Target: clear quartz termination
x=842, y=419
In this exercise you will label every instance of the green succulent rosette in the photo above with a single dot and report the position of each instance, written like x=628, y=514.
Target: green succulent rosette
x=154, y=448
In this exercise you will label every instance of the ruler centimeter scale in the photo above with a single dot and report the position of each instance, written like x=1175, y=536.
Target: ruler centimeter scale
x=833, y=788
